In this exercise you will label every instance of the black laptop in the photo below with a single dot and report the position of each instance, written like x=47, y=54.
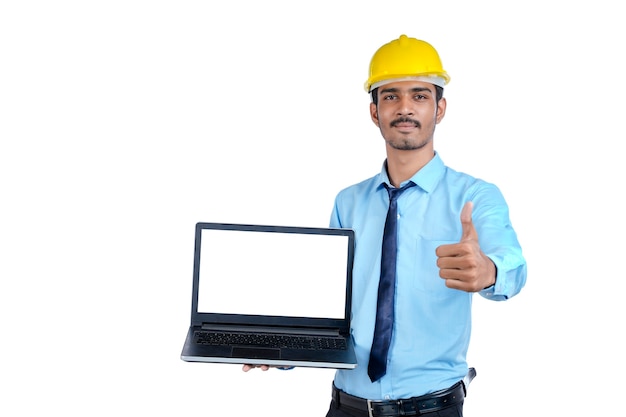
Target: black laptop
x=273, y=295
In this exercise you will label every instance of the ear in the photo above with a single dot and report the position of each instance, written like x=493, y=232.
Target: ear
x=374, y=114
x=441, y=109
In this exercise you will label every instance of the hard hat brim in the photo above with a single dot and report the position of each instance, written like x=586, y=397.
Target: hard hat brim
x=438, y=80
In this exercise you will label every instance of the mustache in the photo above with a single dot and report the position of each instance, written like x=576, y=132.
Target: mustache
x=399, y=120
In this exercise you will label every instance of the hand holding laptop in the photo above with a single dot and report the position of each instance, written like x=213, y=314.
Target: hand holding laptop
x=246, y=368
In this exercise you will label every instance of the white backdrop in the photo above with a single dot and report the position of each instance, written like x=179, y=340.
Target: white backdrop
x=123, y=123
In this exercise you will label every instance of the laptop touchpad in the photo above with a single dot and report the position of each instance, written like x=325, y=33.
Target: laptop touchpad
x=251, y=352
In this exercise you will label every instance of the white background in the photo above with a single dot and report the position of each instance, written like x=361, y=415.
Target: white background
x=122, y=123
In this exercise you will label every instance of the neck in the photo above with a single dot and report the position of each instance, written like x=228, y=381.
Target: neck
x=402, y=165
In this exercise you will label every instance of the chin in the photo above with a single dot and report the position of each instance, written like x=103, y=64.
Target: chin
x=407, y=146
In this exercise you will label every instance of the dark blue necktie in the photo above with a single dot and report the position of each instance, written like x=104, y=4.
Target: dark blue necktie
x=386, y=289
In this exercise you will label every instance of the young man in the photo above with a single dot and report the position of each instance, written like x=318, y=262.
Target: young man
x=427, y=239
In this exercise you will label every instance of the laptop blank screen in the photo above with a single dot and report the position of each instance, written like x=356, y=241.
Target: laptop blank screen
x=272, y=273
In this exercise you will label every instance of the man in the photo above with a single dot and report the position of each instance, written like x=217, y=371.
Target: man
x=445, y=235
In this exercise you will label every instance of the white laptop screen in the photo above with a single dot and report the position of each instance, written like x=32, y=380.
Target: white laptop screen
x=272, y=273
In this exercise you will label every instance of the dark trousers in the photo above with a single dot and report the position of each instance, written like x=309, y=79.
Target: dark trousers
x=452, y=411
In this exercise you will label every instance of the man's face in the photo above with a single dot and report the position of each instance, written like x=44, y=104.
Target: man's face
x=407, y=113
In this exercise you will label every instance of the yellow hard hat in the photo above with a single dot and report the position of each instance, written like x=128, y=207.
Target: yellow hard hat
x=406, y=58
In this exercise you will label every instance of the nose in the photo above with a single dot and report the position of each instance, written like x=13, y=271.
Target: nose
x=405, y=106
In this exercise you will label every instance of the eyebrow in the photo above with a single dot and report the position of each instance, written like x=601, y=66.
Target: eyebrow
x=413, y=90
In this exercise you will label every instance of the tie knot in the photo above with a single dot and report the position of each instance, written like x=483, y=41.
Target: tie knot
x=394, y=193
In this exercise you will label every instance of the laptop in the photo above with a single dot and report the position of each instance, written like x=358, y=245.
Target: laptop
x=271, y=295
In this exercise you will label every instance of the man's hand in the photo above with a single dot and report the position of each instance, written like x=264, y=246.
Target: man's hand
x=463, y=265
x=246, y=368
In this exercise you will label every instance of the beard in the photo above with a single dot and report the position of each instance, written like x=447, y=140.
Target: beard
x=408, y=144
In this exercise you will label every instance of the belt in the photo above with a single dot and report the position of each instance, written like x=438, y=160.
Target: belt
x=407, y=407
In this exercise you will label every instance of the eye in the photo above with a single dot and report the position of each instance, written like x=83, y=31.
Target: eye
x=389, y=97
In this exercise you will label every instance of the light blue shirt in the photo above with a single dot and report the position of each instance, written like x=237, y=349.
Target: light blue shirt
x=432, y=322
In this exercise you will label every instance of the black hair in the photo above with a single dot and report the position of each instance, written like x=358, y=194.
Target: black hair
x=438, y=94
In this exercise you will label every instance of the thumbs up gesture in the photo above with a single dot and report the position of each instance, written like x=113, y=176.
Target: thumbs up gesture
x=463, y=265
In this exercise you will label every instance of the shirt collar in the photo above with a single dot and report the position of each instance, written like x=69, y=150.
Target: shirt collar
x=426, y=178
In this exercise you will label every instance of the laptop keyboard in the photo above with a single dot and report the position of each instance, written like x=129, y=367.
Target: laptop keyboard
x=205, y=337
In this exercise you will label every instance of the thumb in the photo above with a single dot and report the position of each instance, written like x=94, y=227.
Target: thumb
x=468, y=232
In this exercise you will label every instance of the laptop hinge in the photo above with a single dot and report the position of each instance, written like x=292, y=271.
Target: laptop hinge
x=265, y=329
